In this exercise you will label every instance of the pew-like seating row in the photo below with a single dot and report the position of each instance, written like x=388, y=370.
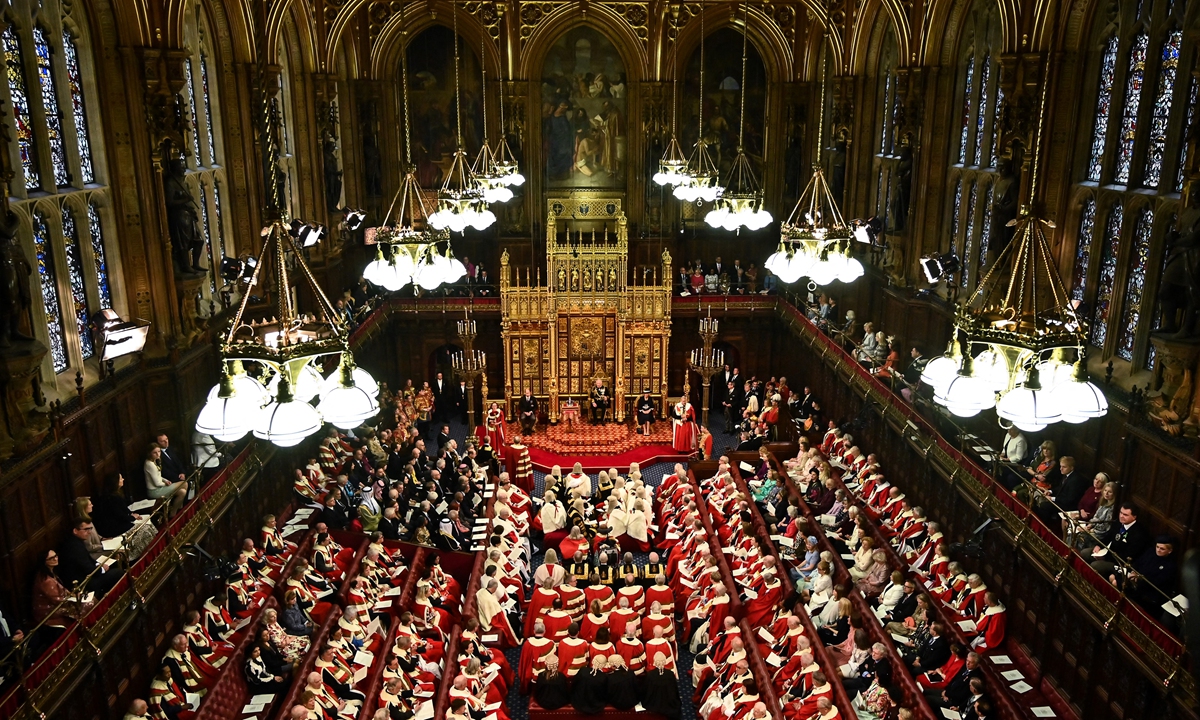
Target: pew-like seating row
x=1009, y=704
x=305, y=666
x=902, y=679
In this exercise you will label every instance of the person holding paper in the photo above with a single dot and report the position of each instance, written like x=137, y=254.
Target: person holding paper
x=337, y=676
x=815, y=703
x=77, y=564
x=957, y=688
x=491, y=614
x=168, y=701
x=991, y=625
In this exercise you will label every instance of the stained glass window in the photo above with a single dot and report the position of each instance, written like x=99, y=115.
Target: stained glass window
x=97, y=234
x=1135, y=286
x=1193, y=99
x=1083, y=249
x=985, y=232
x=75, y=79
x=966, y=264
x=1151, y=353
x=1108, y=73
x=966, y=121
x=996, y=129
x=208, y=248
x=14, y=65
x=985, y=77
x=1161, y=113
x=78, y=288
x=217, y=209
x=1133, y=99
x=887, y=98
x=45, y=74
x=208, y=118
x=49, y=284
x=1108, y=276
x=954, y=217
x=191, y=91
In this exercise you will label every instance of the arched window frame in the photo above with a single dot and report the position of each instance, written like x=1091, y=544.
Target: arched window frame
x=205, y=162
x=884, y=139
x=974, y=148
x=83, y=283
x=1100, y=184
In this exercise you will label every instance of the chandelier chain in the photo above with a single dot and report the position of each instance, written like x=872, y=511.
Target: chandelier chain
x=742, y=90
x=483, y=86
x=457, y=93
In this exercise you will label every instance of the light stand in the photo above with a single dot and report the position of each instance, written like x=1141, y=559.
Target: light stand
x=706, y=362
x=468, y=365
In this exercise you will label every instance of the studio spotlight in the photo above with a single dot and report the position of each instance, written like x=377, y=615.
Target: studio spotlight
x=355, y=218
x=935, y=266
x=231, y=269
x=868, y=230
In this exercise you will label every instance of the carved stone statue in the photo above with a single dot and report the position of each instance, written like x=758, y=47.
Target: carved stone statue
x=1005, y=194
x=183, y=222
x=333, y=174
x=372, y=161
x=1179, y=291
x=904, y=173
x=15, y=298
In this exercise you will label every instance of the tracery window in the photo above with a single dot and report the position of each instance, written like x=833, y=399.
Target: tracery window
x=205, y=166
x=1131, y=151
x=60, y=196
x=887, y=113
x=975, y=150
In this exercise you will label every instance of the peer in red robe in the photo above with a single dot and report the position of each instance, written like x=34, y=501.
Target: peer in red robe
x=518, y=465
x=633, y=652
x=991, y=626
x=761, y=609
x=543, y=600
x=494, y=422
x=572, y=653
x=535, y=651
x=811, y=705
x=683, y=424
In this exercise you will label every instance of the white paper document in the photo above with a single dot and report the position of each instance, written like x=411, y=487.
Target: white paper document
x=900, y=639
x=745, y=467
x=359, y=674
x=142, y=505
x=253, y=709
x=362, y=657
x=193, y=700
x=1042, y=711
x=1001, y=660
x=950, y=714
x=491, y=638
x=262, y=699
x=1012, y=675
x=1021, y=687
x=113, y=544
x=967, y=625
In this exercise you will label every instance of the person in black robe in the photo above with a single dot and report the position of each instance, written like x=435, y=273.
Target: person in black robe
x=660, y=690
x=589, y=692
x=645, y=412
x=550, y=688
x=622, y=685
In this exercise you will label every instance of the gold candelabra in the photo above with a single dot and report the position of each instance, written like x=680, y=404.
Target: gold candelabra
x=469, y=364
x=706, y=362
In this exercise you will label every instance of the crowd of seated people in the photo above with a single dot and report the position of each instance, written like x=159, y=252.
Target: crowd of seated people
x=906, y=605
x=210, y=635
x=721, y=278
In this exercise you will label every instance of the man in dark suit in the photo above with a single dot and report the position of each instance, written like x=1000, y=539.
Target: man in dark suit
x=460, y=401
x=390, y=524
x=75, y=563
x=174, y=467
x=731, y=403
x=749, y=443
x=958, y=690
x=718, y=267
x=443, y=437
x=804, y=405
x=441, y=409
x=933, y=653
x=527, y=408
x=906, y=607
x=878, y=666
x=1129, y=542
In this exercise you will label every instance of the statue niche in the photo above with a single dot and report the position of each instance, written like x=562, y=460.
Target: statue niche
x=904, y=173
x=183, y=221
x=15, y=297
x=1006, y=193
x=1179, y=290
x=333, y=173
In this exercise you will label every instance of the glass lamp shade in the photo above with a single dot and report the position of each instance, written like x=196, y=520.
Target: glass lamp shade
x=248, y=390
x=362, y=379
x=308, y=384
x=348, y=407
x=482, y=219
x=823, y=271
x=941, y=371
x=852, y=271
x=1053, y=373
x=1079, y=401
x=226, y=419
x=516, y=179
x=287, y=423
x=992, y=367
x=497, y=193
x=454, y=268
x=966, y=396
x=799, y=265
x=376, y=271
x=718, y=217
x=1029, y=409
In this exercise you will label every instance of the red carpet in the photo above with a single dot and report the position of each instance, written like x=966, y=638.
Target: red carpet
x=645, y=455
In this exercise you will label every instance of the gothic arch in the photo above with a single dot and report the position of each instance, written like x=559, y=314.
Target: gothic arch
x=231, y=23
x=603, y=20
x=299, y=16
x=870, y=28
x=385, y=55
x=864, y=35
x=765, y=37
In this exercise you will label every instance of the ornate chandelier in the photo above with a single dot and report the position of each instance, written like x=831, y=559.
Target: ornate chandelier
x=672, y=168
x=412, y=240
x=286, y=347
x=815, y=241
x=740, y=203
x=493, y=182
x=460, y=200
x=1018, y=345
x=698, y=180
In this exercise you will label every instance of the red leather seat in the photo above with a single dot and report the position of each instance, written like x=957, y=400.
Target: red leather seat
x=229, y=693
